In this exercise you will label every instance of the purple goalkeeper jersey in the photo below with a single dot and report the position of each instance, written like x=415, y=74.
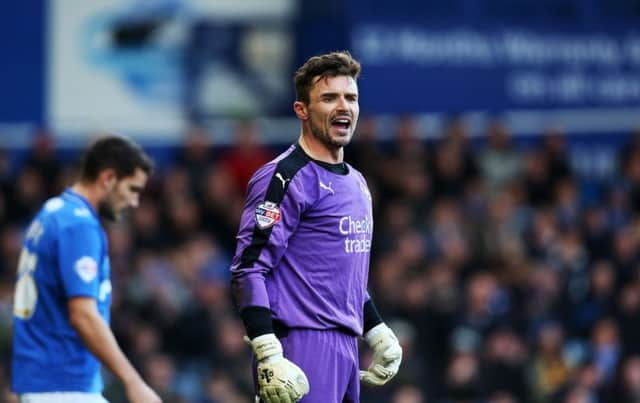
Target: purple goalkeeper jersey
x=304, y=243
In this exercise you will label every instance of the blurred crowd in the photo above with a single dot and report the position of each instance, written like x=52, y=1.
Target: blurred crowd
x=504, y=281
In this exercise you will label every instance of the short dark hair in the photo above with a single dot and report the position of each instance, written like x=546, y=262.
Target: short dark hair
x=332, y=64
x=117, y=153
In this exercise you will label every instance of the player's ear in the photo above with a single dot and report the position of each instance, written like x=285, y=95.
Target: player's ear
x=300, y=108
x=108, y=179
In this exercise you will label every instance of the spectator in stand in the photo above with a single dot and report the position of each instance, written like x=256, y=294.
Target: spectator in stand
x=246, y=155
x=195, y=155
x=500, y=163
x=42, y=158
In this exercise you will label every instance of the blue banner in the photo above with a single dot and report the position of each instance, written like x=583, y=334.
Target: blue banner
x=412, y=68
x=22, y=41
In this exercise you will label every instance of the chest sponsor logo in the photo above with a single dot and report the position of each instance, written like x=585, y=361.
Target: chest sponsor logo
x=357, y=234
x=87, y=268
x=267, y=215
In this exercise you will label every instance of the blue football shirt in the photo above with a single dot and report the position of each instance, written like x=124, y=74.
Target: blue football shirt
x=64, y=255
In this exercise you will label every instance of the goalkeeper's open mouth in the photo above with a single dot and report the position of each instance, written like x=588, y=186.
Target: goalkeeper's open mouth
x=341, y=124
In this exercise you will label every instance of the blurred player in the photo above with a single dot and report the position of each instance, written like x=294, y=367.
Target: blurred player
x=300, y=271
x=63, y=292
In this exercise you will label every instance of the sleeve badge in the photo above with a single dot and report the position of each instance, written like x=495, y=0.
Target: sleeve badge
x=86, y=268
x=267, y=215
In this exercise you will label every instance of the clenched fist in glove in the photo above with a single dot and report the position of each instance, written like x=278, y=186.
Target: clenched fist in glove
x=387, y=355
x=279, y=380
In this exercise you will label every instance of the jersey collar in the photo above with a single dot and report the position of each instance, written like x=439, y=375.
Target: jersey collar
x=70, y=194
x=341, y=168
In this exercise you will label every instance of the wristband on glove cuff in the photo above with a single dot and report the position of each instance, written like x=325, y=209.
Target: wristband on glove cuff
x=257, y=321
x=371, y=317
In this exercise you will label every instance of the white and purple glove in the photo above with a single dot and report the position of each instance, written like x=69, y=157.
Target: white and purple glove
x=387, y=355
x=279, y=380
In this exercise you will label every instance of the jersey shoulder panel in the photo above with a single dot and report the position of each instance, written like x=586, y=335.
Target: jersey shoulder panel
x=58, y=216
x=356, y=172
x=70, y=214
x=273, y=180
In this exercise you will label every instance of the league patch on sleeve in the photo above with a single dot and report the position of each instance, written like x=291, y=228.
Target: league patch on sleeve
x=87, y=268
x=267, y=215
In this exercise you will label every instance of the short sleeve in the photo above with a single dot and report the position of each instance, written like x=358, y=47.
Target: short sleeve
x=80, y=252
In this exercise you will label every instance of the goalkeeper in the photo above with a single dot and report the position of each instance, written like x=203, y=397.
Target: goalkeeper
x=299, y=275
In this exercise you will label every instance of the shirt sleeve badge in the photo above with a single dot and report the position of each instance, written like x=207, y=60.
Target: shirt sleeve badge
x=267, y=215
x=86, y=268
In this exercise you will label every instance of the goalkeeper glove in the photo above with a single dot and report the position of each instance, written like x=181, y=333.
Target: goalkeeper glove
x=279, y=380
x=387, y=355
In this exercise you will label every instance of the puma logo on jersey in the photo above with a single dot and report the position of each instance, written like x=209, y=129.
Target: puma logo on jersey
x=327, y=188
x=282, y=179
x=53, y=204
x=105, y=290
x=365, y=190
x=82, y=212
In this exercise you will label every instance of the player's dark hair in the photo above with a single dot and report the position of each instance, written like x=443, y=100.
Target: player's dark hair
x=117, y=153
x=328, y=65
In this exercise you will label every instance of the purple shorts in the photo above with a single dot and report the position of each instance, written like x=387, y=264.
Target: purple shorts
x=329, y=358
